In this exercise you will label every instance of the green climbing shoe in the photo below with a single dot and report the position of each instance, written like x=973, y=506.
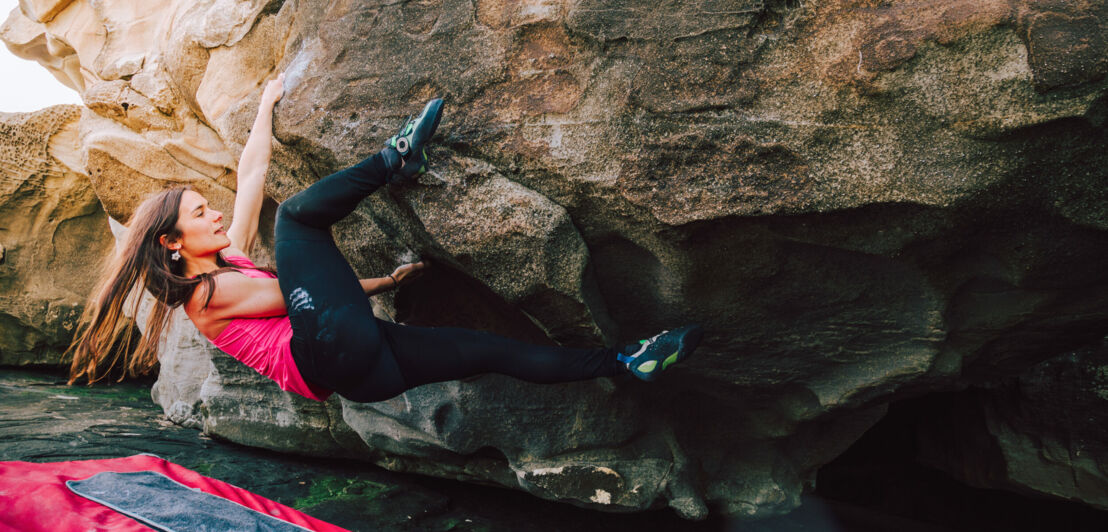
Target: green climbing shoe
x=656, y=354
x=411, y=141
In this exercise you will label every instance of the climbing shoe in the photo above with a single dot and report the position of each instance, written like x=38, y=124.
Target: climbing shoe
x=411, y=142
x=654, y=355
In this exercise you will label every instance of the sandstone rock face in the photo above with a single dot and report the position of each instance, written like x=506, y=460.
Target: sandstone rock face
x=860, y=200
x=1041, y=432
x=52, y=234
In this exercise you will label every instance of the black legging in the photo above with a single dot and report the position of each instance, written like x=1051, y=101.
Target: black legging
x=339, y=344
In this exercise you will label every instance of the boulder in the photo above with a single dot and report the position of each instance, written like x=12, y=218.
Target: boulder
x=860, y=201
x=1041, y=432
x=52, y=234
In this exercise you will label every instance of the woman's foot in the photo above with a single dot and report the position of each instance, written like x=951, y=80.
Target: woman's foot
x=411, y=142
x=654, y=355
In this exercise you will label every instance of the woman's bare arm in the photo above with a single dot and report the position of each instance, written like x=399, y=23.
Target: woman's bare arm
x=252, y=168
x=375, y=286
x=239, y=296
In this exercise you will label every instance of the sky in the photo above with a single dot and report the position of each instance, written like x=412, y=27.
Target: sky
x=26, y=86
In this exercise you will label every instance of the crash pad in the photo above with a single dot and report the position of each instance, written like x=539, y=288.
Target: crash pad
x=34, y=497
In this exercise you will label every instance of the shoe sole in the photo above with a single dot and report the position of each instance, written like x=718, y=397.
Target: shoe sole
x=688, y=338
x=424, y=131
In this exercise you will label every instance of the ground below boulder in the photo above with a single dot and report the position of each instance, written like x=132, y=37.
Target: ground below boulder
x=43, y=420
x=874, y=486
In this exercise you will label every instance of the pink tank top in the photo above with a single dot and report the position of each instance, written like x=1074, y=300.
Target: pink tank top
x=263, y=343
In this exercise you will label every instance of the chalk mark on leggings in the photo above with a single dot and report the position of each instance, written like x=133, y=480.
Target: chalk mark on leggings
x=301, y=300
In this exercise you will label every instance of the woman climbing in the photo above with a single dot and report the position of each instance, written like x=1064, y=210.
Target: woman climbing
x=309, y=325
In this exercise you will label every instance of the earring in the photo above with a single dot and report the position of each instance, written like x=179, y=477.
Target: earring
x=176, y=255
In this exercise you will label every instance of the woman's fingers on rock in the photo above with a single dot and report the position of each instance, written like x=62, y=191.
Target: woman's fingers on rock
x=409, y=271
x=275, y=88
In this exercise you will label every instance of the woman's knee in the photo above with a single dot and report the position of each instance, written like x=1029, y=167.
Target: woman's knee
x=287, y=211
x=290, y=224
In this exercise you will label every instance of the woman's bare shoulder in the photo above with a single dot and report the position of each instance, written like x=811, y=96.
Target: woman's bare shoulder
x=225, y=281
x=211, y=321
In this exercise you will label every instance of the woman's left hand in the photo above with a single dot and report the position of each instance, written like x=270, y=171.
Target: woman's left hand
x=408, y=272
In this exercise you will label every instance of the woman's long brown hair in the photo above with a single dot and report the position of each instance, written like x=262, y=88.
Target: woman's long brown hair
x=142, y=263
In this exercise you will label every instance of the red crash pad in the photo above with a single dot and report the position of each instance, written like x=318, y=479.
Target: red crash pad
x=34, y=497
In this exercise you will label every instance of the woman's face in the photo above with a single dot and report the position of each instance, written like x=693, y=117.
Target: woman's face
x=201, y=227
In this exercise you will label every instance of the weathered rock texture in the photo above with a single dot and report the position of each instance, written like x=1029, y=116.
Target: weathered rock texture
x=861, y=201
x=1043, y=431
x=51, y=234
